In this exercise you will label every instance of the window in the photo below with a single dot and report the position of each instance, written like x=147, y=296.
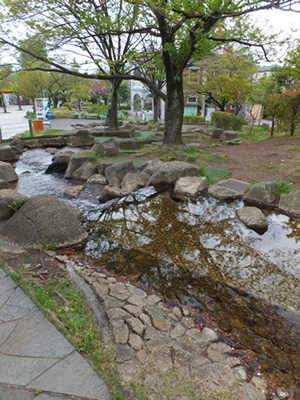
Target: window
x=194, y=75
x=192, y=99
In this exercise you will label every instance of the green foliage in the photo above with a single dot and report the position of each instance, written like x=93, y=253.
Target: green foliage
x=282, y=188
x=16, y=205
x=61, y=112
x=258, y=133
x=227, y=121
x=67, y=105
x=193, y=120
x=50, y=245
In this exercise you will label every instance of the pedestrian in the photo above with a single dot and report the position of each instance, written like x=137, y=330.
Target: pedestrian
x=207, y=119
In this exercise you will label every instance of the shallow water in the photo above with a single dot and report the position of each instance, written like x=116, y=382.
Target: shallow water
x=199, y=253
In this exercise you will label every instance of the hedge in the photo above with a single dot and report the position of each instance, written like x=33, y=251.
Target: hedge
x=193, y=120
x=227, y=121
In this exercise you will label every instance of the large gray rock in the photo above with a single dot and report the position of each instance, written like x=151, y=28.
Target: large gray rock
x=108, y=148
x=152, y=166
x=18, y=143
x=190, y=185
x=60, y=162
x=85, y=171
x=32, y=144
x=7, y=154
x=263, y=193
x=156, y=138
x=44, y=220
x=228, y=135
x=102, y=165
x=134, y=181
x=97, y=179
x=75, y=162
x=169, y=172
x=216, y=133
x=253, y=218
x=112, y=192
x=222, y=193
x=53, y=141
x=81, y=138
x=128, y=144
x=4, y=184
x=290, y=202
x=119, y=170
x=7, y=172
x=10, y=200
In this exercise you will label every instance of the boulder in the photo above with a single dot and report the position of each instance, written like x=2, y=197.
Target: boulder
x=97, y=179
x=228, y=135
x=222, y=193
x=216, y=133
x=169, y=172
x=7, y=172
x=73, y=191
x=156, y=138
x=32, y=144
x=60, y=162
x=4, y=184
x=190, y=185
x=7, y=154
x=262, y=193
x=107, y=147
x=16, y=149
x=75, y=162
x=152, y=166
x=133, y=181
x=16, y=142
x=101, y=166
x=112, y=192
x=81, y=138
x=253, y=218
x=128, y=144
x=10, y=200
x=53, y=141
x=290, y=202
x=119, y=170
x=44, y=220
x=85, y=171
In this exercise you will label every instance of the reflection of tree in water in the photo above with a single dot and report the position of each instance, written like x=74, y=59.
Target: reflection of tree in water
x=187, y=241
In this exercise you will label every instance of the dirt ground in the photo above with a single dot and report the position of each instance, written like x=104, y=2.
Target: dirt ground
x=273, y=159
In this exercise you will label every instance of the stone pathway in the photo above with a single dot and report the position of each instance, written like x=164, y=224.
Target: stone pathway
x=162, y=349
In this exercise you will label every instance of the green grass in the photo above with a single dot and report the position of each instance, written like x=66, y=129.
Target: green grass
x=39, y=133
x=296, y=147
x=282, y=188
x=213, y=175
x=258, y=134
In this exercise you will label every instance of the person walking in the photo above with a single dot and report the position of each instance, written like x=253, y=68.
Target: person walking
x=207, y=119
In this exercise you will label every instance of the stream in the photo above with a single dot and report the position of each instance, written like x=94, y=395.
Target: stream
x=198, y=253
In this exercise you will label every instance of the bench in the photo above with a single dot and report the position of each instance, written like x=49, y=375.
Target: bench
x=47, y=125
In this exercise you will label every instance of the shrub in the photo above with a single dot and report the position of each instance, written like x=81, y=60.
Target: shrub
x=227, y=121
x=61, y=112
x=67, y=105
x=128, y=107
x=193, y=120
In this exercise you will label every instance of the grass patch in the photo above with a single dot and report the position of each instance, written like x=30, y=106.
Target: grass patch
x=213, y=175
x=296, y=147
x=282, y=188
x=39, y=133
x=65, y=307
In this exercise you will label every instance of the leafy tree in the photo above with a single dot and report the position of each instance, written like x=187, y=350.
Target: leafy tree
x=288, y=115
x=107, y=33
x=124, y=93
x=97, y=90
x=292, y=62
x=223, y=78
x=31, y=84
x=78, y=89
x=5, y=82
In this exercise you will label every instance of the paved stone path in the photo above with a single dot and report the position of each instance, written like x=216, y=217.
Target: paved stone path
x=35, y=357
x=153, y=338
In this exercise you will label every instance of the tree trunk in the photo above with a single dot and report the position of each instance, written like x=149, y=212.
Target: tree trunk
x=19, y=103
x=155, y=107
x=113, y=124
x=34, y=109
x=174, y=110
x=293, y=125
x=272, y=126
x=55, y=101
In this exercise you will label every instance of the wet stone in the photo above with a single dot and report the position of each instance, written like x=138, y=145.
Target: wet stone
x=124, y=353
x=135, y=325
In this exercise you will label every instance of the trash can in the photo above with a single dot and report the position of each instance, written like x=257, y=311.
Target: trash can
x=38, y=125
x=49, y=115
x=107, y=120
